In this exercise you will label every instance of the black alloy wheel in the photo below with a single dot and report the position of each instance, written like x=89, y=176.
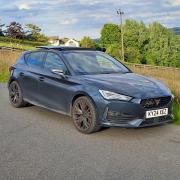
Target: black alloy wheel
x=15, y=95
x=84, y=115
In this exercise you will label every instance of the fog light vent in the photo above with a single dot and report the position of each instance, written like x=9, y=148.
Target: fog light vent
x=118, y=117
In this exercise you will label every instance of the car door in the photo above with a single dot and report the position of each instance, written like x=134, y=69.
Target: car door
x=54, y=89
x=30, y=77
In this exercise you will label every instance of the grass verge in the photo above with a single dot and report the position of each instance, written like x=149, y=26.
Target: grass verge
x=4, y=74
x=14, y=45
x=4, y=77
x=176, y=112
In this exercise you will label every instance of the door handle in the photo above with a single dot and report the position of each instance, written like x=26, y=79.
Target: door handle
x=41, y=78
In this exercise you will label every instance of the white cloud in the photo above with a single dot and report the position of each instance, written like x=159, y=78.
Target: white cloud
x=157, y=15
x=174, y=2
x=69, y=21
x=56, y=16
x=23, y=6
x=98, y=17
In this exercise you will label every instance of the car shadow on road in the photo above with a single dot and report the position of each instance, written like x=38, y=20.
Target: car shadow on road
x=126, y=133
x=131, y=134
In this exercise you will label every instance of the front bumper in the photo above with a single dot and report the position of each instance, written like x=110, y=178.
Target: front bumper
x=132, y=115
x=137, y=123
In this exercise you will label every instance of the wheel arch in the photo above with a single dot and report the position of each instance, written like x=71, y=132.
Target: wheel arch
x=11, y=80
x=80, y=94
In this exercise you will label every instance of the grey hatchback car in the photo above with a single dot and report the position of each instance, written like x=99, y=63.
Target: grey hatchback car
x=90, y=86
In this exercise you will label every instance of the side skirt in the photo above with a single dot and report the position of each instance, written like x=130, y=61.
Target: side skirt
x=51, y=109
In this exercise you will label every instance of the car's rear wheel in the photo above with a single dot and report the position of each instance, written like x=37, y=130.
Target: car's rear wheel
x=84, y=115
x=15, y=95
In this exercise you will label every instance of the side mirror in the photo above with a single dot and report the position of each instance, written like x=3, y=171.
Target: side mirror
x=58, y=71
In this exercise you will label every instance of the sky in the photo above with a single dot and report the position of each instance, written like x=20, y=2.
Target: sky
x=78, y=18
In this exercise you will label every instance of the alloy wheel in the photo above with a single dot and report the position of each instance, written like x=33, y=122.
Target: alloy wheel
x=83, y=114
x=14, y=93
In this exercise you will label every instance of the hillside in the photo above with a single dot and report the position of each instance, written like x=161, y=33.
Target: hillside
x=176, y=30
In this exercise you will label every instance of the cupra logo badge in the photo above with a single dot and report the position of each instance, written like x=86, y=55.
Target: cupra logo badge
x=157, y=101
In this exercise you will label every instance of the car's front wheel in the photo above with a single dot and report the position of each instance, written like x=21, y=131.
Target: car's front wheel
x=84, y=115
x=15, y=95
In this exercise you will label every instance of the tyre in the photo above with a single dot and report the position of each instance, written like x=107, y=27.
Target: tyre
x=84, y=115
x=15, y=95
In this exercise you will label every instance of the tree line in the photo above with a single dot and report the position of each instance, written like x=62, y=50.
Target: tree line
x=16, y=31
x=154, y=44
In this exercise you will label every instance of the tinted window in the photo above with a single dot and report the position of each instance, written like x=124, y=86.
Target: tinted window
x=93, y=62
x=54, y=61
x=35, y=59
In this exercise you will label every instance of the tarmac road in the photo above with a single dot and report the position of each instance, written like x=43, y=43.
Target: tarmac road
x=39, y=144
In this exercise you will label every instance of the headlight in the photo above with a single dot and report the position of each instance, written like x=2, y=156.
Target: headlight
x=114, y=96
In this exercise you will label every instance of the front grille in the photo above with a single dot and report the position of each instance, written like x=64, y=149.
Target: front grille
x=156, y=120
x=155, y=102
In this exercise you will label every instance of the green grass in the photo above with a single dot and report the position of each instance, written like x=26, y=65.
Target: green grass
x=176, y=112
x=4, y=74
x=14, y=45
x=4, y=77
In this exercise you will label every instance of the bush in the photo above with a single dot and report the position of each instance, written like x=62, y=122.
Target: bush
x=87, y=42
x=115, y=51
x=133, y=55
x=176, y=112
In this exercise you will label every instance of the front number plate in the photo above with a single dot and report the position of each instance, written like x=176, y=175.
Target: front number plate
x=157, y=113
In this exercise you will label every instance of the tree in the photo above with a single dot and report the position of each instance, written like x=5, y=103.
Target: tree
x=32, y=29
x=115, y=51
x=1, y=29
x=135, y=35
x=15, y=30
x=40, y=37
x=135, y=41
x=161, y=48
x=133, y=55
x=153, y=44
x=34, y=33
x=175, y=51
x=110, y=34
x=87, y=42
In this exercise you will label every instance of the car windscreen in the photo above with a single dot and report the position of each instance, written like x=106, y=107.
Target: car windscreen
x=93, y=62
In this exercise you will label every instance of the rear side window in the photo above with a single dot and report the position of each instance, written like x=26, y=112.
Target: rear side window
x=35, y=59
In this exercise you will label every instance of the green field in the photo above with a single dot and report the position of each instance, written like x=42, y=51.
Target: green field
x=15, y=45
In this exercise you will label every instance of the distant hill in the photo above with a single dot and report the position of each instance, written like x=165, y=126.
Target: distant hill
x=96, y=40
x=176, y=30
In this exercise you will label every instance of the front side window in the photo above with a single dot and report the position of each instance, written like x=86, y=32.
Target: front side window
x=35, y=59
x=93, y=62
x=53, y=61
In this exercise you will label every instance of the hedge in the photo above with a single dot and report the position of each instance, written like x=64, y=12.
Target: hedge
x=21, y=41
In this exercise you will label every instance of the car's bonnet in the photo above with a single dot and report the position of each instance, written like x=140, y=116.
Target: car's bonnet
x=129, y=84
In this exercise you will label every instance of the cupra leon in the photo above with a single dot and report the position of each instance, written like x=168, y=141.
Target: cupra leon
x=90, y=86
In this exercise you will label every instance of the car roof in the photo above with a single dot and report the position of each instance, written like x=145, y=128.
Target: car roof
x=64, y=48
